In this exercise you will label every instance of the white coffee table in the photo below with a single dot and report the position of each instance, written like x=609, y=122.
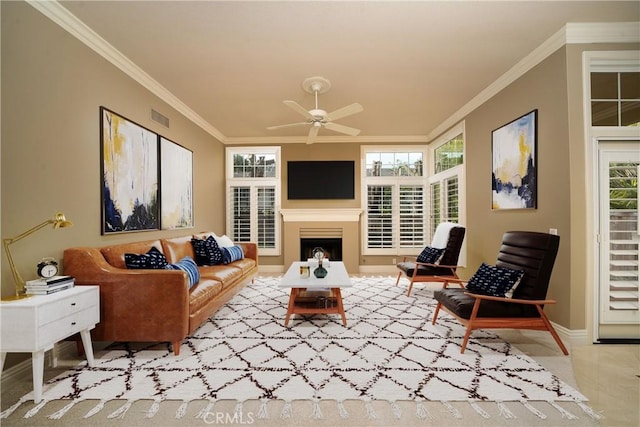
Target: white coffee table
x=309, y=294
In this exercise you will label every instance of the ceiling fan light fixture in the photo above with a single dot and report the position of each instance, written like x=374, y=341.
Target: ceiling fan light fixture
x=317, y=117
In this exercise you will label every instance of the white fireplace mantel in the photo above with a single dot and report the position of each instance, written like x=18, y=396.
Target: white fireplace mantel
x=321, y=215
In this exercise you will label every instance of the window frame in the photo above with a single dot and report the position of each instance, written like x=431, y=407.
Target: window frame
x=395, y=182
x=458, y=171
x=254, y=183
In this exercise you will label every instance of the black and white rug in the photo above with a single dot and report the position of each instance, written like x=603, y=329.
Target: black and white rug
x=389, y=351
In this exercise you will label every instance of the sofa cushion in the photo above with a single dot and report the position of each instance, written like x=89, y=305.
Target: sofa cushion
x=188, y=265
x=153, y=259
x=495, y=281
x=176, y=248
x=245, y=264
x=225, y=274
x=202, y=293
x=114, y=255
x=207, y=251
x=430, y=255
x=231, y=254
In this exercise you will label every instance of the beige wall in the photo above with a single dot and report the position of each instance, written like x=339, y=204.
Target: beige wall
x=52, y=88
x=544, y=89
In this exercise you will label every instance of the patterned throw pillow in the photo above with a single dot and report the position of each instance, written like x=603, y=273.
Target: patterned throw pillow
x=495, y=281
x=153, y=259
x=207, y=251
x=234, y=253
x=189, y=265
x=430, y=255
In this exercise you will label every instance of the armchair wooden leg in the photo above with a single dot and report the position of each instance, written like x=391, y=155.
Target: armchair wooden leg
x=435, y=314
x=410, y=287
x=472, y=318
x=552, y=330
x=398, y=279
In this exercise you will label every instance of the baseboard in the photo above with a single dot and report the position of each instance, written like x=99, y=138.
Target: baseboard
x=574, y=337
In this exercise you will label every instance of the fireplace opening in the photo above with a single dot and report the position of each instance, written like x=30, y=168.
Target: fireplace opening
x=332, y=248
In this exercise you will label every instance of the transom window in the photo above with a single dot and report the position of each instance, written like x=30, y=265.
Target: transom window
x=385, y=163
x=615, y=98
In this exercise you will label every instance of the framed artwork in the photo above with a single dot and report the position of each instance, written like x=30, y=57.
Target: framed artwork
x=176, y=178
x=515, y=171
x=129, y=168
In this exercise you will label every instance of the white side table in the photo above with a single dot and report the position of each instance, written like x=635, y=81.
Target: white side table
x=34, y=325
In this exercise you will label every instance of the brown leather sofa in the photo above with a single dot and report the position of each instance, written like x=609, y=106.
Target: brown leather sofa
x=156, y=305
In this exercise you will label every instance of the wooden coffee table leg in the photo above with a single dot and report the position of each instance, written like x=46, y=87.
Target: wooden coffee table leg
x=292, y=300
x=338, y=294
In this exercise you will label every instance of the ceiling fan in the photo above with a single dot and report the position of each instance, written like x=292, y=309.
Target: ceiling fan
x=318, y=118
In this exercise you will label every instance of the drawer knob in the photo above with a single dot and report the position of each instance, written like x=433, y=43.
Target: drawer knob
x=73, y=323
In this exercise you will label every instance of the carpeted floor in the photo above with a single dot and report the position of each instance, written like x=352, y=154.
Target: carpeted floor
x=387, y=318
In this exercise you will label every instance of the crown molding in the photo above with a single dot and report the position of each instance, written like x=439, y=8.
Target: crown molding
x=384, y=139
x=74, y=26
x=602, y=32
x=571, y=33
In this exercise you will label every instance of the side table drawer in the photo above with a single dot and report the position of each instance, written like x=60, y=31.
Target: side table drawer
x=64, y=306
x=73, y=323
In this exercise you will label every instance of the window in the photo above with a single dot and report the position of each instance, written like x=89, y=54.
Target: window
x=615, y=98
x=446, y=182
x=253, y=193
x=394, y=192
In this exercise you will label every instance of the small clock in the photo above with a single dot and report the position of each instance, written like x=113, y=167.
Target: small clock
x=47, y=268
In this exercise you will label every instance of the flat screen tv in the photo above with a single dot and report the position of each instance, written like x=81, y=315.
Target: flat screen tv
x=329, y=179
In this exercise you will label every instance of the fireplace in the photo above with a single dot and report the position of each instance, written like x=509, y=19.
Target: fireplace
x=332, y=248
x=335, y=230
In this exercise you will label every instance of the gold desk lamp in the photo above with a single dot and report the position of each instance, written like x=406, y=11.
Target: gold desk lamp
x=59, y=221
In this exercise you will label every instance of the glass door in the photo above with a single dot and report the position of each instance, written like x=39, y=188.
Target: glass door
x=619, y=234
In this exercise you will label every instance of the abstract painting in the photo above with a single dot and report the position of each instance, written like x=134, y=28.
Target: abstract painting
x=176, y=177
x=514, y=178
x=129, y=170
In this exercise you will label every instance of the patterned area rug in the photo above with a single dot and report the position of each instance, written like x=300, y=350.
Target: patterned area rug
x=389, y=351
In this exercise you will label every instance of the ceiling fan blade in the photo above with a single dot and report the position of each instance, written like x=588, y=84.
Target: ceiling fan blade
x=313, y=132
x=299, y=108
x=345, y=111
x=342, y=129
x=287, y=125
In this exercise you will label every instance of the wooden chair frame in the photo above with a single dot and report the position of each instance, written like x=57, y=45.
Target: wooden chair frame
x=541, y=323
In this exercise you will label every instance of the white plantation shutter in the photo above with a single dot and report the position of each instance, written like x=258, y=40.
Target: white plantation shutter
x=620, y=281
x=241, y=214
x=411, y=216
x=379, y=216
x=452, y=198
x=266, y=217
x=436, y=211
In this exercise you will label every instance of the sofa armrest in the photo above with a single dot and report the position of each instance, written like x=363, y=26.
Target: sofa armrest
x=143, y=305
x=250, y=250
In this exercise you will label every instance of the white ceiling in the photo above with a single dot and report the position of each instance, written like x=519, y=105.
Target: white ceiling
x=412, y=65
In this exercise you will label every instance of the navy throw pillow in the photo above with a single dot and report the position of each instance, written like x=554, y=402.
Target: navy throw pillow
x=189, y=265
x=495, y=281
x=207, y=251
x=230, y=254
x=153, y=259
x=430, y=255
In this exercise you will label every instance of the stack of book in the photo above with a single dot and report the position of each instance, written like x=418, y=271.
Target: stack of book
x=50, y=285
